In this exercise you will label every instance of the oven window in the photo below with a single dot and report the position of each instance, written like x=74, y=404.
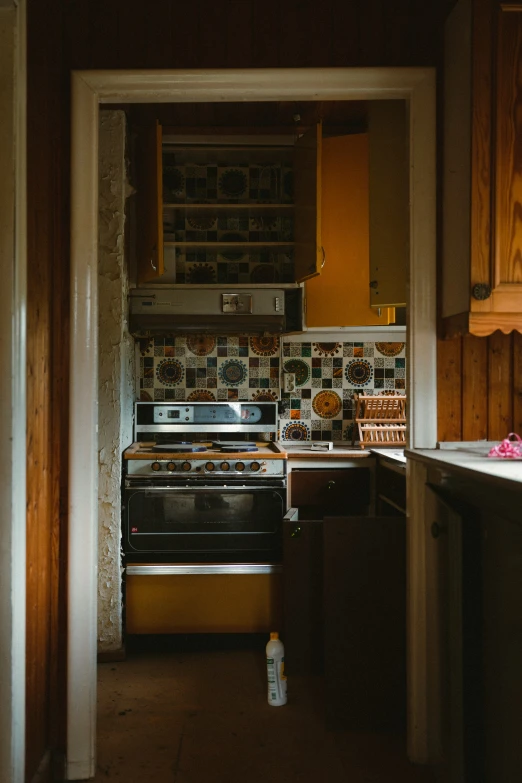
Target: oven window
x=204, y=519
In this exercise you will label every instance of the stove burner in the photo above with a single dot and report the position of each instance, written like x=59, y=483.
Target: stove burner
x=237, y=448
x=219, y=444
x=174, y=448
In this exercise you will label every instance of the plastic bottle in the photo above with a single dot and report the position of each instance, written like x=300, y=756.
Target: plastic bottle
x=275, y=669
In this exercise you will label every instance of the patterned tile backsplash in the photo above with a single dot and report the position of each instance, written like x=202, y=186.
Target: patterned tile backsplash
x=221, y=368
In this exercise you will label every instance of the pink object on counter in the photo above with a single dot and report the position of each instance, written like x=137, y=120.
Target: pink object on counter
x=509, y=448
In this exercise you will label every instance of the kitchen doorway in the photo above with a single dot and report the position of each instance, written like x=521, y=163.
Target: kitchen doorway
x=89, y=90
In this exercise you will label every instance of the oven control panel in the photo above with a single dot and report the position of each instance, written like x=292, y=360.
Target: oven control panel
x=215, y=467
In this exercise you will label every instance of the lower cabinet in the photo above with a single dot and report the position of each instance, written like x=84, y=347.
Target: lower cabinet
x=474, y=631
x=321, y=492
x=344, y=587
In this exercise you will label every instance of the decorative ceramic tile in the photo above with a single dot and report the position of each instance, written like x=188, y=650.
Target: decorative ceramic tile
x=222, y=367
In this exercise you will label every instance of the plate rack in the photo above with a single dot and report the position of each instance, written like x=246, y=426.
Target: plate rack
x=381, y=420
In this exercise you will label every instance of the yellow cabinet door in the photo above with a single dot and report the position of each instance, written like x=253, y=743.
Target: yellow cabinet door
x=149, y=235
x=340, y=296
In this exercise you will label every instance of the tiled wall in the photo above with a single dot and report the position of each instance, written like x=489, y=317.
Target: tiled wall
x=214, y=368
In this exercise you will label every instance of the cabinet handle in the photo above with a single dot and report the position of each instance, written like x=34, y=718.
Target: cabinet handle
x=296, y=532
x=330, y=485
x=152, y=265
x=324, y=257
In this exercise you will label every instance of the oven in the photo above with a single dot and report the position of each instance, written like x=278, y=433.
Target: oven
x=202, y=519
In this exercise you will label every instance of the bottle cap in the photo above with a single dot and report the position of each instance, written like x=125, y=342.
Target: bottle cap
x=273, y=635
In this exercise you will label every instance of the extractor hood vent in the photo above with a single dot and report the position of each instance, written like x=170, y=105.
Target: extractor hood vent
x=161, y=310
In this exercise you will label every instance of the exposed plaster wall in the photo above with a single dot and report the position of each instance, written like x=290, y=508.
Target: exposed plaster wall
x=116, y=373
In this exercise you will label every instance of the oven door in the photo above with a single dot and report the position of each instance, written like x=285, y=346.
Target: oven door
x=205, y=521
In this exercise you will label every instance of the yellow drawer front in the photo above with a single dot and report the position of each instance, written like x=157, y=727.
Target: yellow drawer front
x=203, y=603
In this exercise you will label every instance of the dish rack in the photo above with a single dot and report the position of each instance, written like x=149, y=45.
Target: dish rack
x=381, y=419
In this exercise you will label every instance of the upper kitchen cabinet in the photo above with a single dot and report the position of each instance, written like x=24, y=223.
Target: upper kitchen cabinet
x=482, y=188
x=309, y=253
x=237, y=209
x=341, y=295
x=149, y=237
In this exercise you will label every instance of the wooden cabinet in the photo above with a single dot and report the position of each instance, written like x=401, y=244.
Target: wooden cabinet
x=149, y=234
x=344, y=586
x=340, y=296
x=390, y=484
x=364, y=622
x=330, y=491
x=303, y=594
x=231, y=211
x=482, y=177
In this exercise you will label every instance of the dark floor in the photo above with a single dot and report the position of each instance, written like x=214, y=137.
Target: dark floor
x=194, y=710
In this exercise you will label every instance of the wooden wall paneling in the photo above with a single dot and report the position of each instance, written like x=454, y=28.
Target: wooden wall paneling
x=266, y=26
x=474, y=388
x=185, y=47
x=239, y=31
x=78, y=26
x=48, y=111
x=500, y=392
x=372, y=32
x=345, y=38
x=517, y=383
x=106, y=21
x=449, y=389
x=298, y=41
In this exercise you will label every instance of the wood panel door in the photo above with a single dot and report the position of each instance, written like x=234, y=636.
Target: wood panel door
x=307, y=200
x=365, y=622
x=149, y=233
x=482, y=179
x=303, y=594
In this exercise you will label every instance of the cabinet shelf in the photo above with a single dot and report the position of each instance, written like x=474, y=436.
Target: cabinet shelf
x=227, y=245
x=211, y=207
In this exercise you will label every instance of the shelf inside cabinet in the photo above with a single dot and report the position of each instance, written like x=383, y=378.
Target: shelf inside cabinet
x=228, y=213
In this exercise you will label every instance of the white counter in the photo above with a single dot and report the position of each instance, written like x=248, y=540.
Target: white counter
x=471, y=462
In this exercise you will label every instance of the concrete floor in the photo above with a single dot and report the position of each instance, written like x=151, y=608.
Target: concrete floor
x=194, y=710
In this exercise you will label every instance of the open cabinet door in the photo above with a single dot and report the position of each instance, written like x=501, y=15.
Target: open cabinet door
x=149, y=263
x=307, y=198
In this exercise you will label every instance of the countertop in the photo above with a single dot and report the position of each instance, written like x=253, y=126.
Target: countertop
x=471, y=462
x=302, y=450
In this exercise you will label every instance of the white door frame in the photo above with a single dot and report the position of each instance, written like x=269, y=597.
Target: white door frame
x=89, y=90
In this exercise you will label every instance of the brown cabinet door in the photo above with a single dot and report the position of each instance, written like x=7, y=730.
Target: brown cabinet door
x=149, y=234
x=303, y=596
x=482, y=179
x=321, y=492
x=364, y=622
x=507, y=162
x=307, y=199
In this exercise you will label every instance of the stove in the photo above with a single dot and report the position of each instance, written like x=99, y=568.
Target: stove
x=204, y=497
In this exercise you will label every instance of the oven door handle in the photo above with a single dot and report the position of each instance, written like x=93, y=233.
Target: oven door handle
x=189, y=569
x=205, y=488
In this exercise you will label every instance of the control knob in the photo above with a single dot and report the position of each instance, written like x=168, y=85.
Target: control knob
x=171, y=466
x=185, y=466
x=240, y=465
x=210, y=466
x=156, y=466
x=255, y=466
x=225, y=466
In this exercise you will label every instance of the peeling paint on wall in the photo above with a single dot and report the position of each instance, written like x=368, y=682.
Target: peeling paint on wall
x=116, y=373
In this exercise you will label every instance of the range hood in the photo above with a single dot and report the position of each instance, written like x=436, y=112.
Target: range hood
x=178, y=309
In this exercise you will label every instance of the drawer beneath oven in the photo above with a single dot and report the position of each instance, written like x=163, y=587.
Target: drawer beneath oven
x=203, y=598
